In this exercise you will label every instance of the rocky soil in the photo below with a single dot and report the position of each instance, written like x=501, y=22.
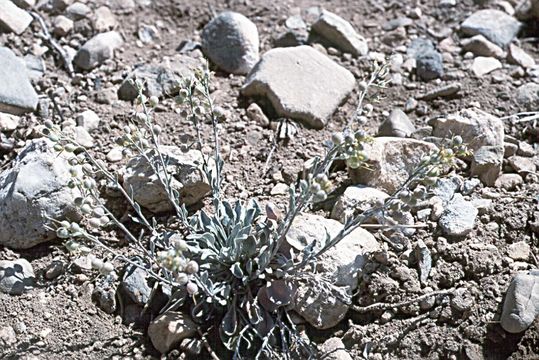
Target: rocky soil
x=287, y=73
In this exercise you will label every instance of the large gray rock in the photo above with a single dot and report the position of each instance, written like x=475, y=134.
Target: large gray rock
x=17, y=95
x=301, y=84
x=495, y=25
x=341, y=265
x=16, y=276
x=13, y=18
x=458, y=218
x=98, y=49
x=340, y=33
x=521, y=305
x=487, y=164
x=159, y=79
x=169, y=329
x=33, y=191
x=185, y=170
x=391, y=161
x=231, y=41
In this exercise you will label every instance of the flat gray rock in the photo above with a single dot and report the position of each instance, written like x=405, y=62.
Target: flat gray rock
x=340, y=33
x=521, y=305
x=231, y=42
x=458, y=218
x=495, y=25
x=98, y=49
x=19, y=97
x=301, y=83
x=33, y=190
x=13, y=18
x=16, y=276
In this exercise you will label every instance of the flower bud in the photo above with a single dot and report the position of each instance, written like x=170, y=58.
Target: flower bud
x=141, y=117
x=192, y=288
x=337, y=138
x=62, y=233
x=191, y=267
x=107, y=268
x=72, y=246
x=154, y=100
x=97, y=263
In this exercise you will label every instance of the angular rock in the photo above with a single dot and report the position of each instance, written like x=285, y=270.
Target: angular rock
x=35, y=66
x=16, y=276
x=62, y=25
x=135, y=286
x=476, y=127
x=78, y=11
x=231, y=41
x=169, y=329
x=521, y=305
x=88, y=119
x=8, y=122
x=159, y=79
x=147, y=33
x=186, y=173
x=33, y=191
x=341, y=263
x=356, y=199
x=495, y=25
x=13, y=18
x=104, y=19
x=508, y=181
x=518, y=56
x=483, y=65
x=301, y=84
x=98, y=49
x=458, y=218
x=19, y=97
x=487, y=164
x=397, y=124
x=391, y=161
x=519, y=251
x=429, y=65
x=340, y=33
x=480, y=46
x=528, y=96
x=522, y=165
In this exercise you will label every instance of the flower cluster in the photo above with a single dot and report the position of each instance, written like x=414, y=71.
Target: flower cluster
x=352, y=147
x=175, y=261
x=320, y=187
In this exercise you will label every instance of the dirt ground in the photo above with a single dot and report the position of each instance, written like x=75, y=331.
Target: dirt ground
x=57, y=319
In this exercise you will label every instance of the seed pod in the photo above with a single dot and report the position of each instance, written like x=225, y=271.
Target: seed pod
x=182, y=278
x=192, y=288
x=179, y=244
x=74, y=171
x=53, y=137
x=86, y=209
x=107, y=268
x=154, y=101
x=74, y=227
x=62, y=233
x=104, y=220
x=320, y=196
x=58, y=147
x=191, y=267
x=337, y=138
x=184, y=93
x=70, y=148
x=97, y=263
x=315, y=187
x=157, y=130
x=457, y=140
x=94, y=223
x=72, y=246
x=99, y=211
x=48, y=124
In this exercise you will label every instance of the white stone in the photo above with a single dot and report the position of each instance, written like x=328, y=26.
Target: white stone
x=484, y=65
x=33, y=191
x=301, y=84
x=104, y=19
x=356, y=199
x=88, y=119
x=518, y=56
x=8, y=122
x=62, y=25
x=19, y=97
x=480, y=46
x=391, y=161
x=458, y=218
